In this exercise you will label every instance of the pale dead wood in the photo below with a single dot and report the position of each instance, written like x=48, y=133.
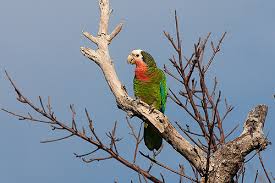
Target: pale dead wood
x=136, y=108
x=227, y=160
x=217, y=161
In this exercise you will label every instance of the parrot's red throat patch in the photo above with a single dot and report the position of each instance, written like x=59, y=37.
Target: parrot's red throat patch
x=141, y=71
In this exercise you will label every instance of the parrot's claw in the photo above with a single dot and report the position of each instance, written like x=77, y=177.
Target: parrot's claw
x=136, y=101
x=151, y=109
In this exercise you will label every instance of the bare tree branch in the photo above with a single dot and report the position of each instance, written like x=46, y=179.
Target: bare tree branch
x=212, y=158
x=138, y=108
x=59, y=139
x=138, y=137
x=115, y=32
x=166, y=167
x=256, y=176
x=231, y=155
x=262, y=163
x=94, y=139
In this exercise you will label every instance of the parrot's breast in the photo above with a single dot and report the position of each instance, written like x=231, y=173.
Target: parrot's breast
x=141, y=71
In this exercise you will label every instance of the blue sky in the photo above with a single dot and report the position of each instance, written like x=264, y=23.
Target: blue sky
x=39, y=47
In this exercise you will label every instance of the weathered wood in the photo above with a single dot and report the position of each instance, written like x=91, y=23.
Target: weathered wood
x=227, y=161
x=224, y=163
x=137, y=108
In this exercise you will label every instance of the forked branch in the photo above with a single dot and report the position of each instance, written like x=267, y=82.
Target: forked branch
x=203, y=105
x=135, y=108
x=94, y=139
x=217, y=161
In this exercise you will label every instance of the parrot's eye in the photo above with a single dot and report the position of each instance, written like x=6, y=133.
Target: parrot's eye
x=137, y=55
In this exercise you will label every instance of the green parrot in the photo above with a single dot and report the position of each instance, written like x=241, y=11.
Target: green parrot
x=150, y=87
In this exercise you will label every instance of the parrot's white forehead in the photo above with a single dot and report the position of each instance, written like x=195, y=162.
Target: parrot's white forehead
x=136, y=51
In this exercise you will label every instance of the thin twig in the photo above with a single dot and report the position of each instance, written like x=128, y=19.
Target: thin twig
x=138, y=137
x=215, y=51
x=192, y=139
x=55, y=140
x=86, y=154
x=262, y=163
x=256, y=176
x=166, y=167
x=243, y=174
x=21, y=117
x=96, y=159
x=61, y=125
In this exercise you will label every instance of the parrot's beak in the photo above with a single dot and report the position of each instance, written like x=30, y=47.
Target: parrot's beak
x=130, y=59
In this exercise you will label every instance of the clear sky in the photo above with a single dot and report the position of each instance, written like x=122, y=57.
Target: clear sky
x=39, y=47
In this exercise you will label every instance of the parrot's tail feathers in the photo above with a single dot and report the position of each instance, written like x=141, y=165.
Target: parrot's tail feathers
x=152, y=138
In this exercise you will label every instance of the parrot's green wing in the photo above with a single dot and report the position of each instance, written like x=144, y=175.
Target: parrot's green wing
x=163, y=92
x=151, y=136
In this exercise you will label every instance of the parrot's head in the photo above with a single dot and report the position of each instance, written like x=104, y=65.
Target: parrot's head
x=141, y=58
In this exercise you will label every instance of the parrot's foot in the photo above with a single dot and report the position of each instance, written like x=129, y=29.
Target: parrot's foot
x=136, y=101
x=151, y=109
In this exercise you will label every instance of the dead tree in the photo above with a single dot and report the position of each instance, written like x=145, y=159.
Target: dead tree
x=211, y=156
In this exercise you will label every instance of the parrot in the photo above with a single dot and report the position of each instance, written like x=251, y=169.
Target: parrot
x=149, y=87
